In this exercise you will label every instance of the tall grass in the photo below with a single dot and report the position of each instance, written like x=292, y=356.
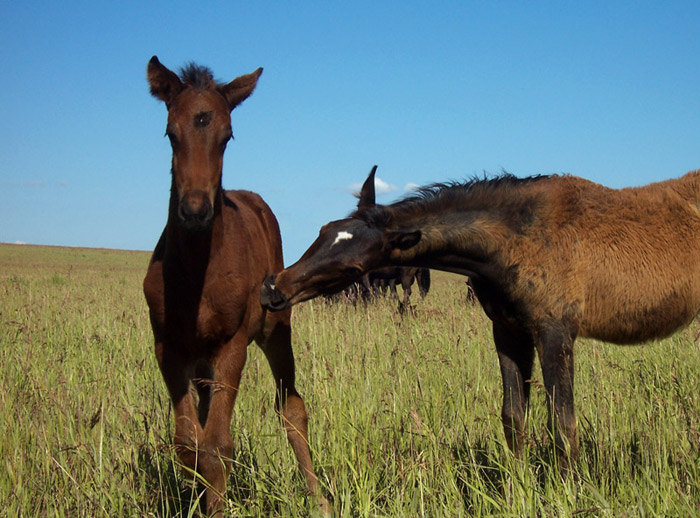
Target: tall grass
x=404, y=410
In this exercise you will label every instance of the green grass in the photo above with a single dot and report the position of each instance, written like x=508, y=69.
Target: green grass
x=404, y=410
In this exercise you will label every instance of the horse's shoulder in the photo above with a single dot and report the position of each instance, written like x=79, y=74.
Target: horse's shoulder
x=254, y=217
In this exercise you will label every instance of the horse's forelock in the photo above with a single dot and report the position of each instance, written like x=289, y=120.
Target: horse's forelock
x=198, y=76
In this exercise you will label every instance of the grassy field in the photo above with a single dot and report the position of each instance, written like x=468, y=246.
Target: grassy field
x=404, y=410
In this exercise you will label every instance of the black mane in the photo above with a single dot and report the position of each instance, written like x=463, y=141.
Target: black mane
x=478, y=192
x=198, y=76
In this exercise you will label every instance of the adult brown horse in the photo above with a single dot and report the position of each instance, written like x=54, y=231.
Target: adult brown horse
x=550, y=258
x=204, y=278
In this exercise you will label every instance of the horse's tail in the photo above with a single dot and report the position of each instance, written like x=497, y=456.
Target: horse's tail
x=423, y=279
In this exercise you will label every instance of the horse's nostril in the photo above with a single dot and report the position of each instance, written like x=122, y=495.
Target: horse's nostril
x=195, y=210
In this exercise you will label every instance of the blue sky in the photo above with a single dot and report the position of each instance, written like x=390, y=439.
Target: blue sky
x=428, y=91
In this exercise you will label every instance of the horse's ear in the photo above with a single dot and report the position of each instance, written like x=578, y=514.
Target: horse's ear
x=367, y=197
x=164, y=83
x=240, y=88
x=403, y=240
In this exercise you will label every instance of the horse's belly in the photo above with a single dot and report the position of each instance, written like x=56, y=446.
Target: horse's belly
x=631, y=326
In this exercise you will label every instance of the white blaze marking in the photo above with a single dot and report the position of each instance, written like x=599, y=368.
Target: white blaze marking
x=342, y=235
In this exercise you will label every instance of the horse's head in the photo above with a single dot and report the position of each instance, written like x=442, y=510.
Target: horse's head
x=199, y=127
x=343, y=252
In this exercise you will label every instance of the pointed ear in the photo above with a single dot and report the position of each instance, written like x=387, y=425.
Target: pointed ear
x=240, y=88
x=367, y=197
x=164, y=83
x=403, y=240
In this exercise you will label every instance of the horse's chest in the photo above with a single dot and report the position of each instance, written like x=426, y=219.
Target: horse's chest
x=199, y=317
x=219, y=315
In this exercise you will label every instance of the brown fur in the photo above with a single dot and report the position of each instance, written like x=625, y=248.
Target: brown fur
x=203, y=282
x=622, y=263
x=549, y=258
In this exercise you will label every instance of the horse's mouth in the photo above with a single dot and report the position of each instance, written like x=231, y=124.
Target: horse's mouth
x=273, y=299
x=270, y=297
x=196, y=224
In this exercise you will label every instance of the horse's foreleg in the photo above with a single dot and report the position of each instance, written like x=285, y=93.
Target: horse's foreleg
x=203, y=374
x=288, y=403
x=556, y=352
x=515, y=355
x=176, y=372
x=216, y=446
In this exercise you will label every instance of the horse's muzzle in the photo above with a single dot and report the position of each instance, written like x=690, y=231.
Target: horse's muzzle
x=270, y=297
x=195, y=210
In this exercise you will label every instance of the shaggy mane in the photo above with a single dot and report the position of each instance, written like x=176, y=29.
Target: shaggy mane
x=470, y=194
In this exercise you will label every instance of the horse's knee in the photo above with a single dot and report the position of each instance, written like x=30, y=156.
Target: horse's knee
x=513, y=408
x=219, y=445
x=293, y=413
x=187, y=448
x=187, y=440
x=512, y=417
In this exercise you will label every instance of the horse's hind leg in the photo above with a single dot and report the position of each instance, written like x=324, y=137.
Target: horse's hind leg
x=556, y=352
x=277, y=346
x=423, y=281
x=406, y=285
x=516, y=353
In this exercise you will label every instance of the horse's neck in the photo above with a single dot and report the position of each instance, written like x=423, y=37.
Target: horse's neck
x=466, y=243
x=194, y=250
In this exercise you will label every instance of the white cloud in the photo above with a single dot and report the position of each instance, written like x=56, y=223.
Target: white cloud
x=380, y=187
x=410, y=187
